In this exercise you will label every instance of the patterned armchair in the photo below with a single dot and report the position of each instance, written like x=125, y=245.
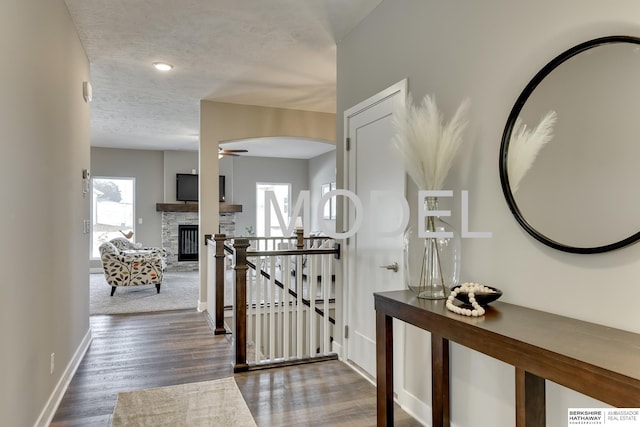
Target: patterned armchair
x=126, y=245
x=131, y=267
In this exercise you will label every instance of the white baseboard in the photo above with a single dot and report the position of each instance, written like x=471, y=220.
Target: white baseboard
x=202, y=305
x=94, y=270
x=49, y=411
x=337, y=349
x=361, y=372
x=413, y=406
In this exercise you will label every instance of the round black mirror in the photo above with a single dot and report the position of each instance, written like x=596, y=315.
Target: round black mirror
x=580, y=193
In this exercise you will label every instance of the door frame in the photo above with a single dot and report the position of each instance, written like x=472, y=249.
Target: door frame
x=407, y=400
x=400, y=88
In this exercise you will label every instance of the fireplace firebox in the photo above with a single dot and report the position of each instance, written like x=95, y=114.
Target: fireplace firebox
x=187, y=243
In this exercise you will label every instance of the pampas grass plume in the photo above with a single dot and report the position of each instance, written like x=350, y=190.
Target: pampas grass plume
x=426, y=144
x=524, y=146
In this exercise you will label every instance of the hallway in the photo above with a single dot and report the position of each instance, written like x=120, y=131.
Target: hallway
x=131, y=352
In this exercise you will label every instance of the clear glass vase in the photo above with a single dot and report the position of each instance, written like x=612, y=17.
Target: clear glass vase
x=432, y=264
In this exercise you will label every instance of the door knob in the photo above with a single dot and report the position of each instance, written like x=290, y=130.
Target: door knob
x=393, y=267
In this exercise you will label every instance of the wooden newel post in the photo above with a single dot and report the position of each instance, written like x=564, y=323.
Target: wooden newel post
x=300, y=238
x=220, y=279
x=240, y=317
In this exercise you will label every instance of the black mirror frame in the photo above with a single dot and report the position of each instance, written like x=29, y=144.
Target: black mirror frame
x=506, y=136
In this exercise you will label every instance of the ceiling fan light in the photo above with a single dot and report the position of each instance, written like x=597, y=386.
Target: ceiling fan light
x=162, y=66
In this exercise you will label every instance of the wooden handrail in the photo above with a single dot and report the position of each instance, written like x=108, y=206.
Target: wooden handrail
x=283, y=252
x=294, y=240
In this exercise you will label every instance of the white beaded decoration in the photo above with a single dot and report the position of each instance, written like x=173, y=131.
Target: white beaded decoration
x=471, y=289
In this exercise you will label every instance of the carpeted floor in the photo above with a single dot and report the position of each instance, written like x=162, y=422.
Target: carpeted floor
x=209, y=403
x=179, y=290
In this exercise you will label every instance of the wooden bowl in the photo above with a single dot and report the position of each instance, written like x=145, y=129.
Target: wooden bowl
x=482, y=299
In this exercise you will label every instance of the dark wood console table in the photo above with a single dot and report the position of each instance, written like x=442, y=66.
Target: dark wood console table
x=592, y=359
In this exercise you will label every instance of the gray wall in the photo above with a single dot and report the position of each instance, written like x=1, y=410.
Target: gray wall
x=177, y=162
x=146, y=166
x=322, y=170
x=44, y=143
x=247, y=171
x=488, y=51
x=226, y=167
x=155, y=173
x=243, y=172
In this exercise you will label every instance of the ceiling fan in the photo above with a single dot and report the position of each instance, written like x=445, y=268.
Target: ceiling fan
x=222, y=152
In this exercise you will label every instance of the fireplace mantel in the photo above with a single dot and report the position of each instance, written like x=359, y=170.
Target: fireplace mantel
x=193, y=207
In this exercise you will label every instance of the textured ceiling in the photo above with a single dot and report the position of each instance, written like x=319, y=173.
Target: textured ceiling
x=279, y=53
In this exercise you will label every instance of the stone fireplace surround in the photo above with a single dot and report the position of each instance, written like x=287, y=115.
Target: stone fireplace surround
x=177, y=214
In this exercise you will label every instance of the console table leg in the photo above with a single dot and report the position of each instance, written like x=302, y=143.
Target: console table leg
x=440, y=381
x=530, y=400
x=384, y=368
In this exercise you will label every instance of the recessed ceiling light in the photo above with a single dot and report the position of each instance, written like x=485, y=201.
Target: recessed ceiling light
x=162, y=66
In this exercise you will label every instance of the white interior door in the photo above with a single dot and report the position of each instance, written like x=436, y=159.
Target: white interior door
x=371, y=165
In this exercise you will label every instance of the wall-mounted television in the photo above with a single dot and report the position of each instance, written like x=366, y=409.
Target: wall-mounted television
x=186, y=187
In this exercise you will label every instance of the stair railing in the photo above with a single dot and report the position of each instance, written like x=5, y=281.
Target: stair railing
x=284, y=296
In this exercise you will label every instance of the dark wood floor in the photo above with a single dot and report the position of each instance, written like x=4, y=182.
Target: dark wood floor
x=132, y=352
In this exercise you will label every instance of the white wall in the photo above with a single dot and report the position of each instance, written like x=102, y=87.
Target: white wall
x=488, y=51
x=44, y=141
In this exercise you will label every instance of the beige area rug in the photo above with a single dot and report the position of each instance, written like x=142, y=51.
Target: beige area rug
x=210, y=403
x=179, y=290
